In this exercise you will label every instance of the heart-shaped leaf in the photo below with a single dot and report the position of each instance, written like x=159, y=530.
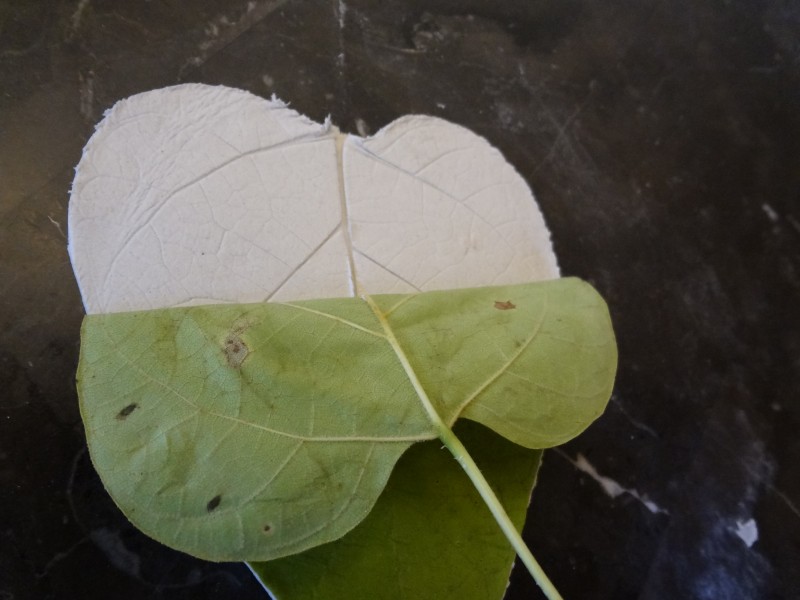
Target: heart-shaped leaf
x=197, y=195
x=249, y=432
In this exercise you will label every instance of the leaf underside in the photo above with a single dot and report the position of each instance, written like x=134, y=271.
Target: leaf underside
x=429, y=535
x=251, y=432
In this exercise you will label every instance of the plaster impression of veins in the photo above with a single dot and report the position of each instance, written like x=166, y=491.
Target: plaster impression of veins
x=245, y=201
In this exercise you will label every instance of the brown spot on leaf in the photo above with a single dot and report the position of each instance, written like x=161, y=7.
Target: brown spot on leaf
x=123, y=414
x=235, y=351
x=267, y=528
x=213, y=503
x=507, y=305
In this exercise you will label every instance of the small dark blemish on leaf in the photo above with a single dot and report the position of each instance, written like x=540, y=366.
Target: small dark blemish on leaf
x=518, y=343
x=214, y=502
x=267, y=528
x=123, y=414
x=507, y=305
x=235, y=351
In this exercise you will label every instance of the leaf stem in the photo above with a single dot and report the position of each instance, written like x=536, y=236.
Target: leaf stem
x=462, y=456
x=433, y=414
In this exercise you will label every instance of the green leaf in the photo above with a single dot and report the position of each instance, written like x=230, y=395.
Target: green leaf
x=430, y=526
x=251, y=432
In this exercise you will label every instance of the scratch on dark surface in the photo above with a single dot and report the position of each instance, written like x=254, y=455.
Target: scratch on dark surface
x=770, y=212
x=27, y=50
x=60, y=556
x=87, y=96
x=793, y=222
x=638, y=424
x=76, y=19
x=562, y=135
x=611, y=487
x=57, y=225
x=756, y=474
x=786, y=500
x=221, y=32
x=130, y=23
x=70, y=490
x=339, y=9
x=110, y=542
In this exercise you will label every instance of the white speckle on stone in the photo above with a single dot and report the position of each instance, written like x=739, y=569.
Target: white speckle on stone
x=75, y=21
x=87, y=95
x=362, y=128
x=611, y=487
x=770, y=212
x=747, y=531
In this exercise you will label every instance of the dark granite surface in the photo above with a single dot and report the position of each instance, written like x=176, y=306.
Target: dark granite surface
x=662, y=140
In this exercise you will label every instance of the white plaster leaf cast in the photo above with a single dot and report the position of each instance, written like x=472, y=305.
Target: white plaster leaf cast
x=198, y=194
